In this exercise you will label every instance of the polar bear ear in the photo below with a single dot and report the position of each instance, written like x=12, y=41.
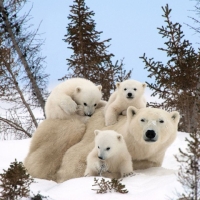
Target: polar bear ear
x=78, y=89
x=119, y=137
x=96, y=132
x=117, y=84
x=99, y=87
x=175, y=116
x=131, y=111
x=144, y=85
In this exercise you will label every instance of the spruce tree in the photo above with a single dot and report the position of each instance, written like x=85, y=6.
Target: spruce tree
x=90, y=58
x=176, y=82
x=15, y=182
x=189, y=171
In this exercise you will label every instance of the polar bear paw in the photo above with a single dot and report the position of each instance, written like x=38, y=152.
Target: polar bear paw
x=130, y=174
x=80, y=110
x=68, y=106
x=72, y=107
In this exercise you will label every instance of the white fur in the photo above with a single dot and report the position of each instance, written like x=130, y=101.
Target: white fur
x=110, y=155
x=64, y=158
x=76, y=95
x=149, y=152
x=127, y=93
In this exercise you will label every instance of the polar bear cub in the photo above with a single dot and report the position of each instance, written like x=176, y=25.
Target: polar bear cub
x=127, y=93
x=110, y=155
x=71, y=95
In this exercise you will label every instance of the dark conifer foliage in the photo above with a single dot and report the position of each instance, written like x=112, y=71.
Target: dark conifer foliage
x=109, y=186
x=90, y=58
x=176, y=82
x=15, y=182
x=189, y=172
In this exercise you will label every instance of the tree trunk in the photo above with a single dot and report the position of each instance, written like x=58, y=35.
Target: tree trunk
x=196, y=109
x=22, y=97
x=23, y=60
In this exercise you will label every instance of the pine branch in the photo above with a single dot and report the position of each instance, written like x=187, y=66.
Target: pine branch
x=177, y=81
x=108, y=186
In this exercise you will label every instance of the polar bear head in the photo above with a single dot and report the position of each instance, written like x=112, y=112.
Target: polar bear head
x=88, y=98
x=152, y=125
x=130, y=89
x=108, y=143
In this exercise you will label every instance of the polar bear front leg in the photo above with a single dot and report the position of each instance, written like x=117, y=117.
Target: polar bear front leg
x=93, y=168
x=126, y=169
x=90, y=172
x=67, y=104
x=80, y=110
x=111, y=115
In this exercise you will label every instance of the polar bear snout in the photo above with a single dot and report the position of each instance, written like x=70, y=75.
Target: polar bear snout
x=150, y=136
x=89, y=110
x=88, y=114
x=129, y=95
x=100, y=157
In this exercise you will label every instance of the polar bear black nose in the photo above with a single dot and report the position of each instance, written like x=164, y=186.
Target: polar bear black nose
x=150, y=134
x=129, y=94
x=89, y=115
x=100, y=157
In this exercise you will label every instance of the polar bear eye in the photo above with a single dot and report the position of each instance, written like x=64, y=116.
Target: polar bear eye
x=142, y=120
x=135, y=89
x=125, y=89
x=161, y=121
x=108, y=148
x=98, y=147
x=95, y=104
x=85, y=104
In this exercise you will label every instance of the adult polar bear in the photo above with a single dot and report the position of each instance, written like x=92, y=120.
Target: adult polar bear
x=59, y=148
x=148, y=132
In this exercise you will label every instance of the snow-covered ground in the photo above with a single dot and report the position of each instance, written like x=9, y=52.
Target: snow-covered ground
x=155, y=183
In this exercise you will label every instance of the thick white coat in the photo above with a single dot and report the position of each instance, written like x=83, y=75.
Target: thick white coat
x=74, y=96
x=127, y=93
x=110, y=155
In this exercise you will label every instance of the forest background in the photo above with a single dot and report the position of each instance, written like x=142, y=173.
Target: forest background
x=172, y=75
x=127, y=34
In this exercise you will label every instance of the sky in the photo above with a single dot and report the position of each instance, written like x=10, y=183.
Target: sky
x=132, y=25
x=159, y=183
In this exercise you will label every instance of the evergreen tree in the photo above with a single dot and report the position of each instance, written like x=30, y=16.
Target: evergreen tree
x=90, y=58
x=189, y=172
x=15, y=182
x=176, y=82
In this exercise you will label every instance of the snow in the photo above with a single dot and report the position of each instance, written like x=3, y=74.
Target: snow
x=157, y=183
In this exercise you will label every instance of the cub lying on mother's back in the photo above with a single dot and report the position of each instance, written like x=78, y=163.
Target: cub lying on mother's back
x=127, y=93
x=70, y=95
